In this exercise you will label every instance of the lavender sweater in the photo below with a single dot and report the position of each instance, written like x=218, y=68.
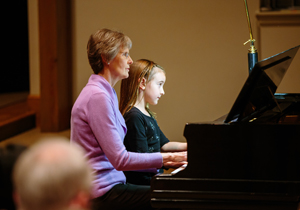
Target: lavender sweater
x=98, y=126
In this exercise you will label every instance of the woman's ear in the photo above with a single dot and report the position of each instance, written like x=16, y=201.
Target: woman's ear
x=143, y=84
x=104, y=61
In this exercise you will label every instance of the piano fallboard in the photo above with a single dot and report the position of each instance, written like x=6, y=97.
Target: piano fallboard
x=243, y=151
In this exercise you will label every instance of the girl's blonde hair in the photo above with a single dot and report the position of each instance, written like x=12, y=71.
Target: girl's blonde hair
x=140, y=69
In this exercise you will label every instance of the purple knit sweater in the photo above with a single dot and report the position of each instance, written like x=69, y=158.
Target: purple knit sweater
x=99, y=128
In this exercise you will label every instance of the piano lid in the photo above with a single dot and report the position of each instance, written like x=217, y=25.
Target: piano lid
x=258, y=91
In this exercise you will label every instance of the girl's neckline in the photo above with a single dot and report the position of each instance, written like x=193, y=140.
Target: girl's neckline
x=142, y=112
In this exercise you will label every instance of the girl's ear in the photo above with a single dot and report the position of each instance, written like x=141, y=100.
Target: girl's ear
x=143, y=83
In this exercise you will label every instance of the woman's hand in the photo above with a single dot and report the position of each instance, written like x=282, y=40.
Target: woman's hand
x=174, y=159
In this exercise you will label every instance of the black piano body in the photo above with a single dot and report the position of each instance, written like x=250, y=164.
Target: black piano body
x=248, y=159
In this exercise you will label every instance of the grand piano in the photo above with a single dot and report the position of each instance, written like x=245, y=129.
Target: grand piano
x=247, y=159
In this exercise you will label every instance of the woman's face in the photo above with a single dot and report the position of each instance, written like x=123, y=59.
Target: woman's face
x=119, y=66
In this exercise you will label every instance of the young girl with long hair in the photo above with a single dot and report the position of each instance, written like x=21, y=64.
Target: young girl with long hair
x=142, y=88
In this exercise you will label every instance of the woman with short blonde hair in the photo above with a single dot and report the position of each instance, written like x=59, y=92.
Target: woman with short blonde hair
x=103, y=46
x=98, y=126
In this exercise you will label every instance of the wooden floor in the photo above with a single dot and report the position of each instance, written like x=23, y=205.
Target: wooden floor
x=18, y=121
x=7, y=99
x=13, y=112
x=16, y=116
x=34, y=135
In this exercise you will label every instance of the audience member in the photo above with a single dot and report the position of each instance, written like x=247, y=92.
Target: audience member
x=52, y=175
x=8, y=157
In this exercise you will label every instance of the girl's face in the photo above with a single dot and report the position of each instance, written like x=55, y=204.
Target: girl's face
x=155, y=87
x=120, y=64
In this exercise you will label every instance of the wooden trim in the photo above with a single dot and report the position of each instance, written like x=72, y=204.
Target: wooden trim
x=55, y=65
x=279, y=18
x=33, y=102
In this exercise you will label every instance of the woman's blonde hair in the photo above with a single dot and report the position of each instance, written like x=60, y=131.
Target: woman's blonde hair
x=140, y=69
x=103, y=46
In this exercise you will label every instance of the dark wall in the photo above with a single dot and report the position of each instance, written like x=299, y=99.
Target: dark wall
x=14, y=73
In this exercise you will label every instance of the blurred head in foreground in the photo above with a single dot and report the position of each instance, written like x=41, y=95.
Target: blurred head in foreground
x=52, y=174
